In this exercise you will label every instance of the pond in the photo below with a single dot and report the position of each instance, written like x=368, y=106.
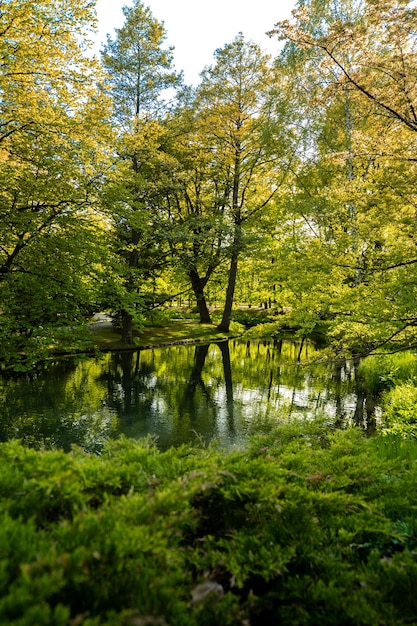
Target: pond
x=225, y=391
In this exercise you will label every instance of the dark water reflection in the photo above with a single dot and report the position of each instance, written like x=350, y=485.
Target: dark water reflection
x=225, y=390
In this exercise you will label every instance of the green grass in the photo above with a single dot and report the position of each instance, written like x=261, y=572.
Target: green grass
x=382, y=371
x=178, y=331
x=396, y=447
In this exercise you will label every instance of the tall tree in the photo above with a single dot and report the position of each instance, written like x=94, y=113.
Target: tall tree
x=373, y=51
x=233, y=99
x=139, y=74
x=357, y=189
x=196, y=204
x=52, y=140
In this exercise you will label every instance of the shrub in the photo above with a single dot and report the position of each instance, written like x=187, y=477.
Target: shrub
x=300, y=527
x=253, y=317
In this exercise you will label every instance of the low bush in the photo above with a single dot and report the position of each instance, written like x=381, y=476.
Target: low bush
x=253, y=317
x=301, y=527
x=162, y=316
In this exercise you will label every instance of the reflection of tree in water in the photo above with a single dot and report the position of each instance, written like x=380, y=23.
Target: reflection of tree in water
x=277, y=351
x=190, y=398
x=56, y=407
x=127, y=380
x=195, y=380
x=270, y=380
x=365, y=403
x=227, y=370
x=222, y=389
x=167, y=390
x=364, y=415
x=196, y=406
x=337, y=380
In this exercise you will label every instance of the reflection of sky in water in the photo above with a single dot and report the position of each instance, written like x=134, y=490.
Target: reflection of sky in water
x=224, y=391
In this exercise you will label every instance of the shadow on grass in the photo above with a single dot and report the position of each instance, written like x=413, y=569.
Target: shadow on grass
x=181, y=331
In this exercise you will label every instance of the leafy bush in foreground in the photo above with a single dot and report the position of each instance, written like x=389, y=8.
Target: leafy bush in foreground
x=296, y=529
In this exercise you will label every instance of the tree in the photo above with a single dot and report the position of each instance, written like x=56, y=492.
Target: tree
x=354, y=204
x=196, y=203
x=139, y=73
x=233, y=100
x=52, y=136
x=375, y=54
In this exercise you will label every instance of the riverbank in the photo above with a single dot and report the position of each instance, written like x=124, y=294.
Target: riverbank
x=182, y=331
x=99, y=335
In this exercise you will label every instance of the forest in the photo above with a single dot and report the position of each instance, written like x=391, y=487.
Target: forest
x=285, y=183
x=276, y=198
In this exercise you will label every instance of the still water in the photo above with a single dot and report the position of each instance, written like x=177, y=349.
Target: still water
x=225, y=391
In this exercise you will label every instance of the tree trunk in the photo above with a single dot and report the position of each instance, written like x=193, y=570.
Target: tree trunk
x=133, y=263
x=127, y=329
x=236, y=209
x=198, y=285
x=231, y=284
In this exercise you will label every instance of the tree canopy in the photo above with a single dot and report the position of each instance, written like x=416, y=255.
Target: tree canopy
x=53, y=152
x=286, y=182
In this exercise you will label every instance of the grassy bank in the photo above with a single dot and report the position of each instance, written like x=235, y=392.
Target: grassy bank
x=176, y=331
x=100, y=337
x=301, y=527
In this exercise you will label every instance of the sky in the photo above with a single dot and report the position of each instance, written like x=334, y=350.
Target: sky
x=196, y=28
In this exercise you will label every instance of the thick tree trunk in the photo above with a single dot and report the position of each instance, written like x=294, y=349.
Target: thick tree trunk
x=231, y=284
x=127, y=328
x=198, y=284
x=133, y=263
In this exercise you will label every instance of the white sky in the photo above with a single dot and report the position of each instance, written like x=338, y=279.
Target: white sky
x=196, y=28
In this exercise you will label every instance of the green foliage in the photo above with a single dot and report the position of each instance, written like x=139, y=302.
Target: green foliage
x=253, y=317
x=52, y=155
x=139, y=71
x=266, y=329
x=399, y=406
x=302, y=527
x=346, y=242
x=395, y=446
x=235, y=327
x=292, y=325
x=138, y=67
x=42, y=344
x=382, y=371
x=163, y=316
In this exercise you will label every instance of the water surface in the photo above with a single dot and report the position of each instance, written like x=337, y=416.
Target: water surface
x=225, y=391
